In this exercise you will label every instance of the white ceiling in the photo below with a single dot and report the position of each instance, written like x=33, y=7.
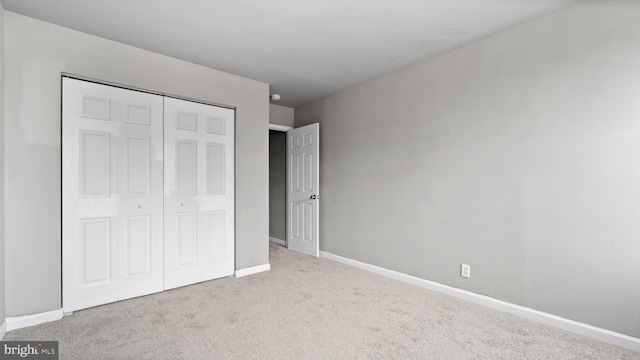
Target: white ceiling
x=305, y=49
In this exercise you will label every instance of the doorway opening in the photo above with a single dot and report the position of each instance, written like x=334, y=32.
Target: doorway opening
x=278, y=184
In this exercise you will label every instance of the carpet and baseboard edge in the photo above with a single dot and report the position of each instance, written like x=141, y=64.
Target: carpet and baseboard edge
x=576, y=327
x=277, y=241
x=19, y=322
x=608, y=336
x=252, y=270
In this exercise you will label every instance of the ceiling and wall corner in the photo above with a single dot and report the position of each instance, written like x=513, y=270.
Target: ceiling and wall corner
x=305, y=50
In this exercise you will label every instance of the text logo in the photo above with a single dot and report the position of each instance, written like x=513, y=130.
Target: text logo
x=41, y=350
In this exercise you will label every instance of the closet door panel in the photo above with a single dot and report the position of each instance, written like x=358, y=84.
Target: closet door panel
x=199, y=186
x=140, y=184
x=112, y=194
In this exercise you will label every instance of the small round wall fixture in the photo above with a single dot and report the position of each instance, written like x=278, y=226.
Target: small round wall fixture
x=275, y=97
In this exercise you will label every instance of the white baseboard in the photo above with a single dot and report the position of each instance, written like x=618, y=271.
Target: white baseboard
x=20, y=322
x=3, y=329
x=576, y=327
x=277, y=241
x=252, y=270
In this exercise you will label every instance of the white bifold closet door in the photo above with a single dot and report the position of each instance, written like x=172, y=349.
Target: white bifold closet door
x=148, y=193
x=112, y=158
x=199, y=192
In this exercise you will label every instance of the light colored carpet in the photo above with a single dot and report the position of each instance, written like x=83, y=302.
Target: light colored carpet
x=307, y=308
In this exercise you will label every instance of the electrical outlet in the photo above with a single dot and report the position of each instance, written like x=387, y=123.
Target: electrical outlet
x=465, y=270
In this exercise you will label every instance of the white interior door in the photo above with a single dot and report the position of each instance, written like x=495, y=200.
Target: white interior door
x=199, y=192
x=112, y=194
x=303, y=194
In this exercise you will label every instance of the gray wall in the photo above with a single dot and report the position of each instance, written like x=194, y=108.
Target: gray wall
x=281, y=115
x=278, y=184
x=2, y=292
x=36, y=54
x=518, y=154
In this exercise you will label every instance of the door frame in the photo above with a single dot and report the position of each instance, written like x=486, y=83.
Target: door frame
x=283, y=242
x=143, y=90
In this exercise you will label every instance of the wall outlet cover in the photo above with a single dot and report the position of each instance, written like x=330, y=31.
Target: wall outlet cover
x=465, y=270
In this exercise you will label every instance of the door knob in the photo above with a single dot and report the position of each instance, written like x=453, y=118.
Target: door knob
x=181, y=204
x=314, y=196
x=140, y=206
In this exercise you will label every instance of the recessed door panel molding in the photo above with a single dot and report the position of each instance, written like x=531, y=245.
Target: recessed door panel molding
x=112, y=247
x=295, y=174
x=95, y=242
x=95, y=163
x=186, y=121
x=307, y=140
x=303, y=195
x=215, y=169
x=294, y=142
x=198, y=172
x=137, y=166
x=187, y=167
x=187, y=239
x=216, y=125
x=138, y=246
x=215, y=232
x=307, y=173
x=96, y=107
x=139, y=114
x=307, y=217
x=294, y=223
